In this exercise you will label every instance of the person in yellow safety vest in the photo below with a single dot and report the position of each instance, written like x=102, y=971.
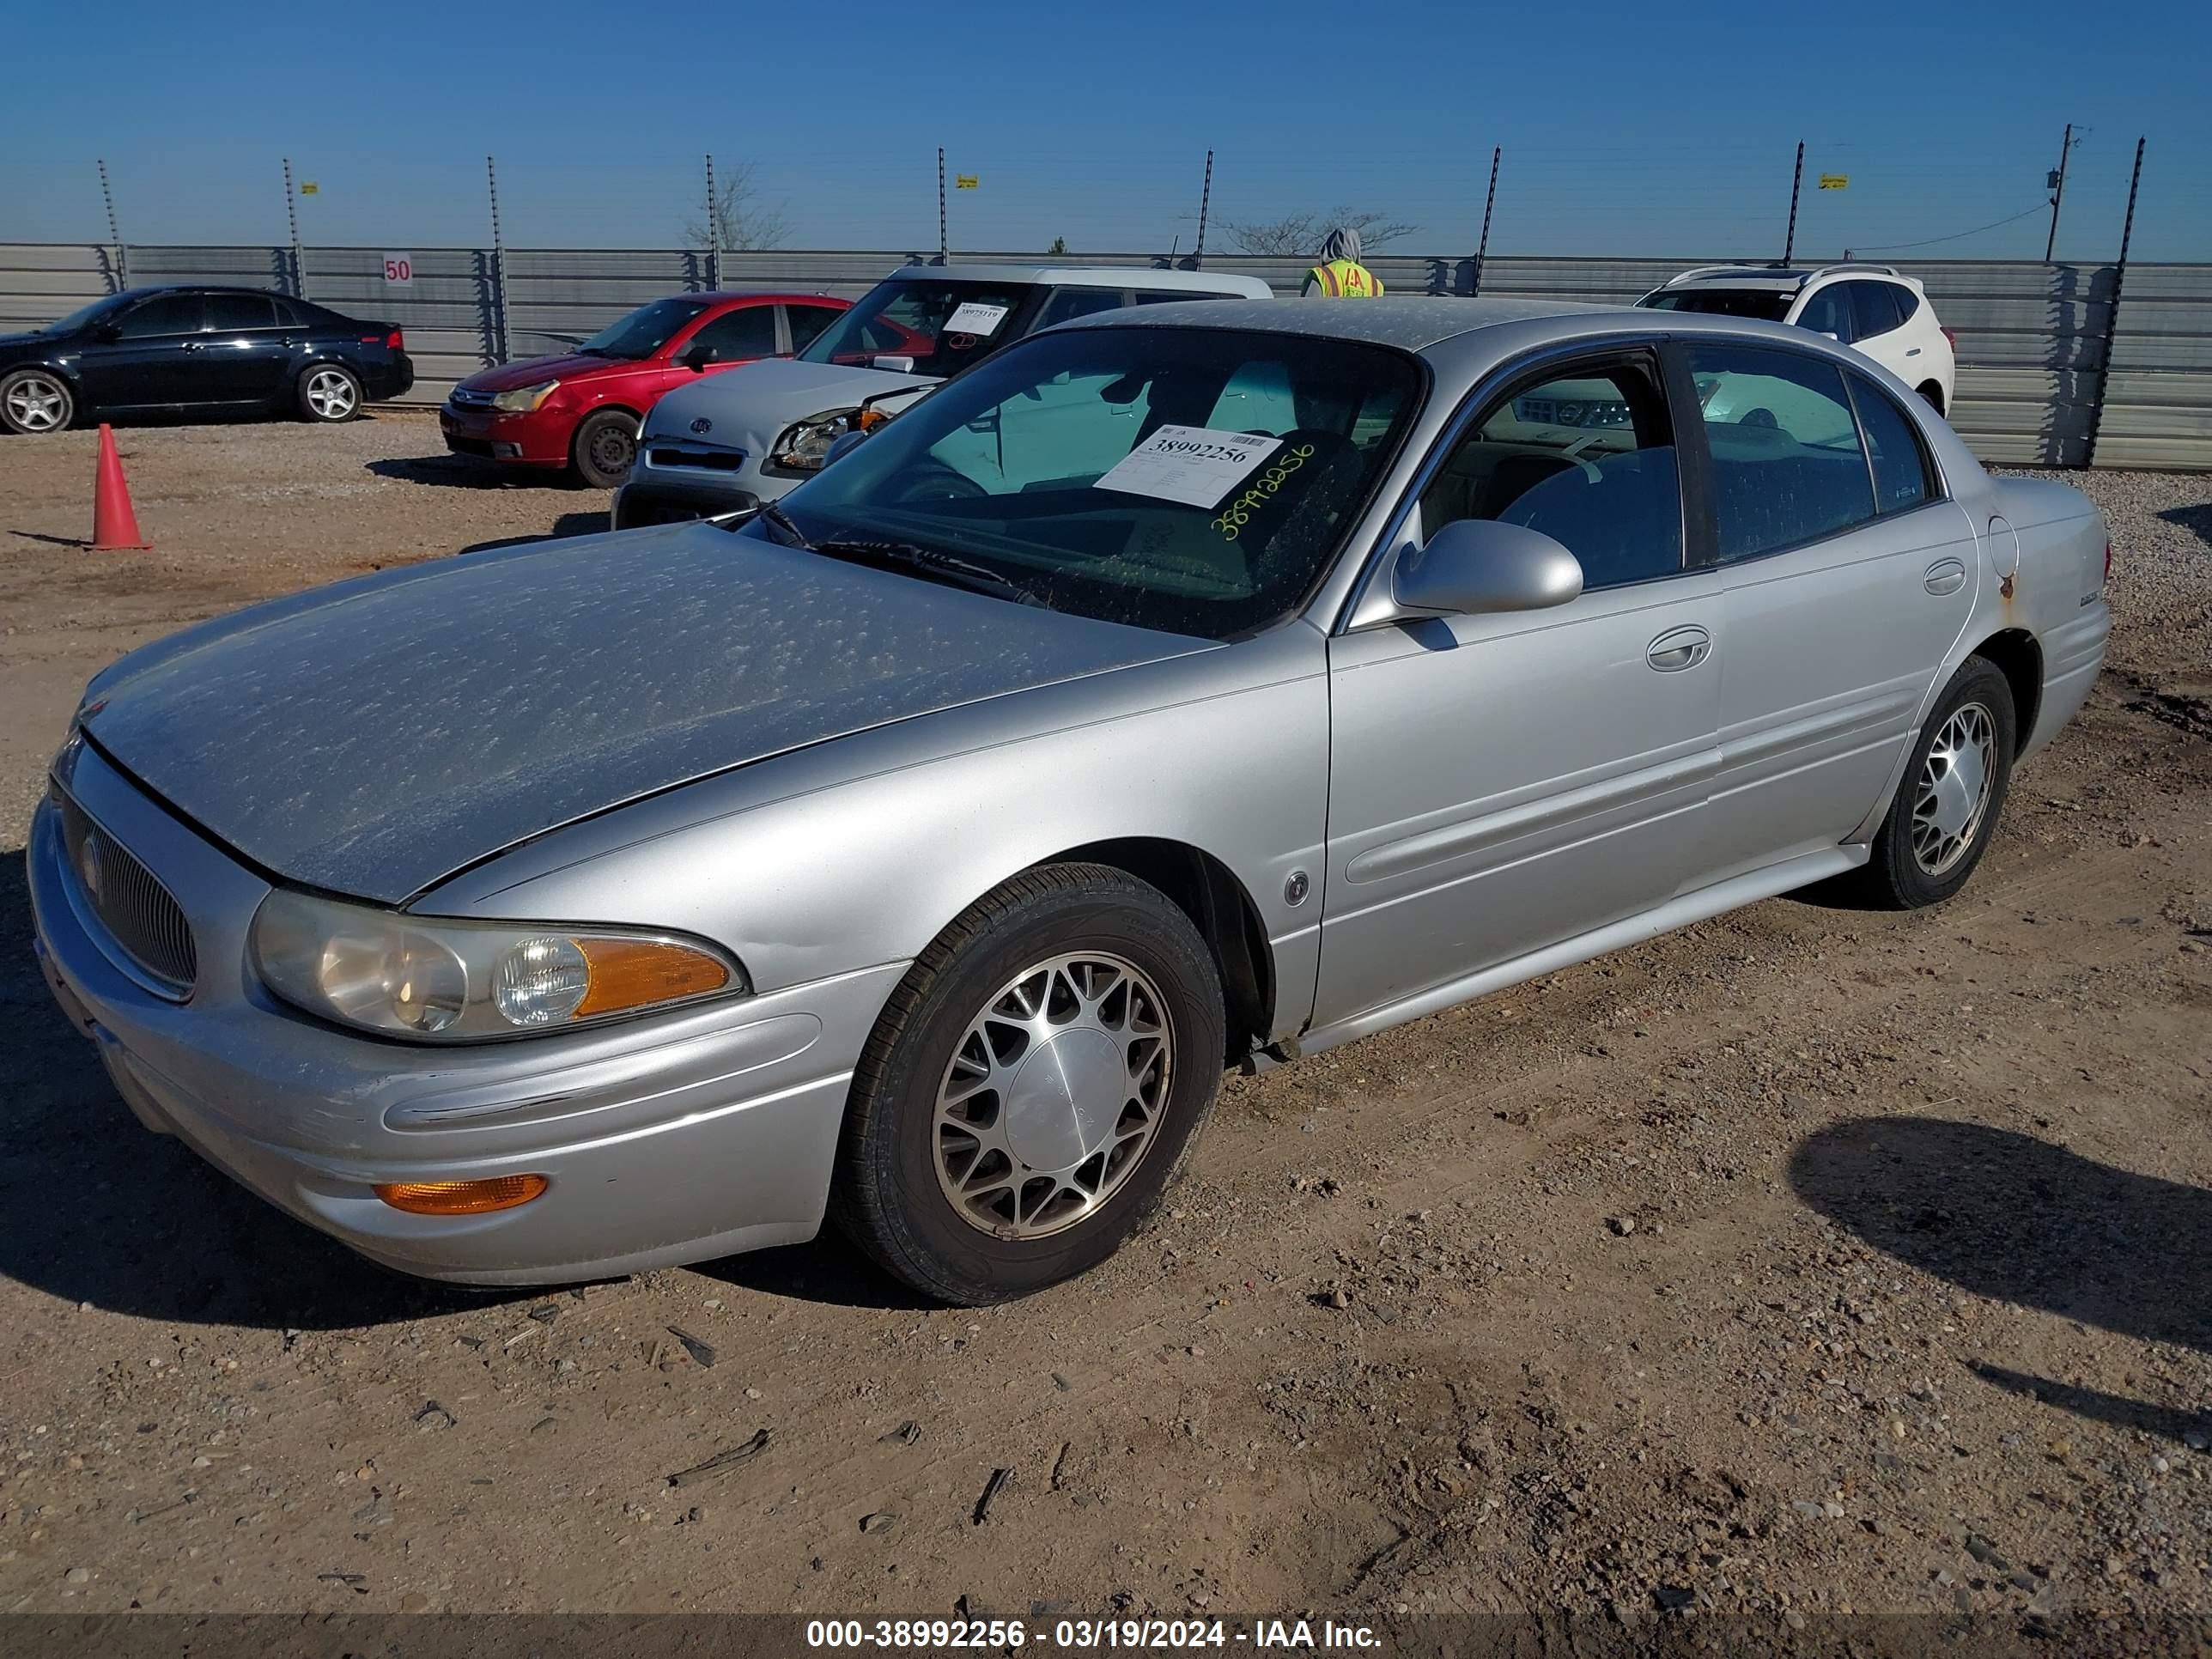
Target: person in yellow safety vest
x=1339, y=276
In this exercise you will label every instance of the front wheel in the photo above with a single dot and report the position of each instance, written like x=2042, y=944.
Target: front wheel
x=33, y=401
x=604, y=448
x=1946, y=805
x=1033, y=1085
x=328, y=394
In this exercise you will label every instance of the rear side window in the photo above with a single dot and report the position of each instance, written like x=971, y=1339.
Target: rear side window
x=1903, y=477
x=807, y=321
x=1874, y=308
x=165, y=314
x=1908, y=302
x=1787, y=464
x=229, y=313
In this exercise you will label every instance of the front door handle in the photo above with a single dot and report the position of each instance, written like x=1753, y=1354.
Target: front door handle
x=1913, y=351
x=193, y=345
x=1945, y=577
x=1678, y=648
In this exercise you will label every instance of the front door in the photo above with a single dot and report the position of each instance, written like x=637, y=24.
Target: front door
x=1498, y=783
x=154, y=359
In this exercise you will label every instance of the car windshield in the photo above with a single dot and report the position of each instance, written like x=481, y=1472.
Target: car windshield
x=644, y=331
x=1760, y=304
x=944, y=326
x=1196, y=481
x=87, y=314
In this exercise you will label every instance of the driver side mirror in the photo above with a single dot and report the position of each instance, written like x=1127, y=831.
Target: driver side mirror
x=109, y=333
x=1475, y=566
x=696, y=358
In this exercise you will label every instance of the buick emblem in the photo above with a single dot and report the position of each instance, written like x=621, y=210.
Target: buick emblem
x=702, y=425
x=88, y=867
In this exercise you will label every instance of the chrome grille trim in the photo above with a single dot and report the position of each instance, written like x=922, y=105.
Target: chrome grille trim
x=141, y=919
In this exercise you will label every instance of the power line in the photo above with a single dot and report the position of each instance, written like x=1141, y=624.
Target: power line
x=1894, y=247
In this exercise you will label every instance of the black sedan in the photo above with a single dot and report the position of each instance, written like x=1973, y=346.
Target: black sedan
x=222, y=351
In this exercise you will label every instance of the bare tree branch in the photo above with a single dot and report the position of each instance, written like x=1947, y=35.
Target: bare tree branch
x=746, y=221
x=1301, y=235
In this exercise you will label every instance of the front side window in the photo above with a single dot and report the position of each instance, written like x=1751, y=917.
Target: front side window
x=1759, y=304
x=1787, y=465
x=736, y=336
x=1828, y=311
x=1588, y=457
x=644, y=331
x=1903, y=477
x=943, y=326
x=1874, y=309
x=165, y=314
x=1097, y=470
x=230, y=313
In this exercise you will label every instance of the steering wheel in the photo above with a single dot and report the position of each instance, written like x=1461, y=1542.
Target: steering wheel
x=1758, y=417
x=931, y=480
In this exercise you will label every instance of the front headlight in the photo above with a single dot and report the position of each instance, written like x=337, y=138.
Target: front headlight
x=805, y=445
x=524, y=398
x=436, y=980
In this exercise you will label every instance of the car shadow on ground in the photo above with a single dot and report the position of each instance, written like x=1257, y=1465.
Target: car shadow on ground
x=466, y=472
x=828, y=1272
x=2027, y=1221
x=2197, y=519
x=567, y=524
x=94, y=1208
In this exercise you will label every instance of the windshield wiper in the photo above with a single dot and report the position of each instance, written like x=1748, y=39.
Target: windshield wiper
x=907, y=555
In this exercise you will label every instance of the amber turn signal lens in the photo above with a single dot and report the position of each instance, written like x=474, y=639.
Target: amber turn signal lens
x=635, y=972
x=869, y=419
x=461, y=1197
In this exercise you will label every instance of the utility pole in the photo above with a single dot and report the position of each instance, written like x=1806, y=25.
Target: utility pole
x=298, y=283
x=1205, y=201
x=1482, y=248
x=944, y=242
x=498, y=267
x=1797, y=179
x=2056, y=182
x=714, y=230
x=2112, y=312
x=114, y=236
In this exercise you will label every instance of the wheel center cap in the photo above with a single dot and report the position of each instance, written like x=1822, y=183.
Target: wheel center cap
x=1066, y=1099
x=1957, y=791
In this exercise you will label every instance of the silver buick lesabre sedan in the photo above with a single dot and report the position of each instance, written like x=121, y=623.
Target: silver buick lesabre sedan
x=1188, y=686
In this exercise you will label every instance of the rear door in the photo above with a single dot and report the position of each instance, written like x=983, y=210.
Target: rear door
x=1847, y=577
x=155, y=359
x=247, y=348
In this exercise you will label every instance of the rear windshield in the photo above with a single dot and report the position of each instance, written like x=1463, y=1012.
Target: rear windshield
x=1760, y=304
x=943, y=326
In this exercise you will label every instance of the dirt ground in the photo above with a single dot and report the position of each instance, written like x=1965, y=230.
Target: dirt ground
x=1808, y=1263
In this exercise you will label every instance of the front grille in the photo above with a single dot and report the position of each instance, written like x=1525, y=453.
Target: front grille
x=463, y=398
x=470, y=446
x=713, y=461
x=146, y=924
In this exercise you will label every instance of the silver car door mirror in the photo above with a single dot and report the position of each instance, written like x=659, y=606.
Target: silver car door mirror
x=1474, y=566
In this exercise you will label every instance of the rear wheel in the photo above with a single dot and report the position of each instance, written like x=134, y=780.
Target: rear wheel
x=35, y=400
x=1954, y=788
x=1932, y=395
x=1032, y=1086
x=604, y=448
x=329, y=393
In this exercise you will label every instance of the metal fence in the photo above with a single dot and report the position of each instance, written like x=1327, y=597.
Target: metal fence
x=2060, y=364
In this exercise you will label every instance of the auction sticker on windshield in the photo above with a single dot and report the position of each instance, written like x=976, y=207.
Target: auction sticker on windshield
x=1193, y=464
x=975, y=317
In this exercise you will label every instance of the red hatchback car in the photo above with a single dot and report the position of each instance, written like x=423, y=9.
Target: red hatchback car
x=582, y=409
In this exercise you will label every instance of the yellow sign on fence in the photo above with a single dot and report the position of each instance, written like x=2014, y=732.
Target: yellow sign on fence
x=964, y=181
x=308, y=187
x=1835, y=181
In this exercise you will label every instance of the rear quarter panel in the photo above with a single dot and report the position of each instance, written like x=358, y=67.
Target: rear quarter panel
x=2056, y=593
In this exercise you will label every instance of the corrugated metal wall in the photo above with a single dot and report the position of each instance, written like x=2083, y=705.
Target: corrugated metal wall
x=2033, y=338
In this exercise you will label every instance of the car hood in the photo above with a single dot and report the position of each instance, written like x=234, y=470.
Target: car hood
x=533, y=371
x=748, y=406
x=374, y=736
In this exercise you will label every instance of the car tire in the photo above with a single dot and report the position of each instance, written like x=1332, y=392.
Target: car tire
x=974, y=1178
x=1932, y=395
x=1948, y=801
x=604, y=448
x=329, y=393
x=36, y=401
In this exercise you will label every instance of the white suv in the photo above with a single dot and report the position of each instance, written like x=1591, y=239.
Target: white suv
x=1870, y=307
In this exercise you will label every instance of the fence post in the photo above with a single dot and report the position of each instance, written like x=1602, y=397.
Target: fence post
x=2058, y=190
x=1205, y=201
x=114, y=236
x=298, y=284
x=714, y=230
x=944, y=245
x=2113, y=314
x=498, y=267
x=1796, y=179
x=1482, y=247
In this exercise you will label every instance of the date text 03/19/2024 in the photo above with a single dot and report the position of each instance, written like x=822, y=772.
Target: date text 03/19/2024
x=1000, y=1635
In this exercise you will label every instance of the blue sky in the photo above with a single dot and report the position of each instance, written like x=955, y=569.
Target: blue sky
x=1664, y=129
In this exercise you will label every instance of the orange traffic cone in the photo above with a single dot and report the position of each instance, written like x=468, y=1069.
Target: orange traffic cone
x=114, y=525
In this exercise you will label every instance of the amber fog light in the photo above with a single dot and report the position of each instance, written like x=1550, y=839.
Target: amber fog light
x=461, y=1197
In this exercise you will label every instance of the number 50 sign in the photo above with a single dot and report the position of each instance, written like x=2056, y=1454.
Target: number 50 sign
x=400, y=270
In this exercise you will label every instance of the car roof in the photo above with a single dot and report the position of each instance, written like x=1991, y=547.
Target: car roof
x=717, y=295
x=1146, y=276
x=1782, y=278
x=1413, y=324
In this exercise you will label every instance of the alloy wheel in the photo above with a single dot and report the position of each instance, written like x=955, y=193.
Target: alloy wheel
x=1952, y=795
x=37, y=403
x=330, y=394
x=1054, y=1094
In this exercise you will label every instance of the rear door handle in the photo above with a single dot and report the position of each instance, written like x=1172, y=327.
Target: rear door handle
x=1678, y=648
x=1945, y=577
x=193, y=345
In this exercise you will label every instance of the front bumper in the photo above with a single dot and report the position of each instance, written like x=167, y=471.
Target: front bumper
x=678, y=1138
x=526, y=440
